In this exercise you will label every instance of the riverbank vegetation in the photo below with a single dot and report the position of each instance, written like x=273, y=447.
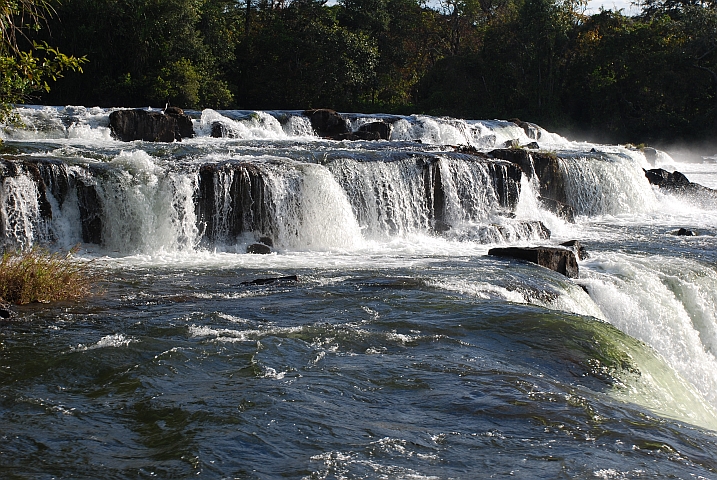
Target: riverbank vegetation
x=37, y=275
x=621, y=78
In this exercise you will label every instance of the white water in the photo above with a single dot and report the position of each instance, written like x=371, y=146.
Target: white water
x=352, y=214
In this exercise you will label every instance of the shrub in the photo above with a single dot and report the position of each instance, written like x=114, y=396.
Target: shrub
x=37, y=275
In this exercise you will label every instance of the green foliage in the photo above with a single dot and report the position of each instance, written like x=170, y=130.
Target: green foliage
x=626, y=78
x=37, y=275
x=24, y=72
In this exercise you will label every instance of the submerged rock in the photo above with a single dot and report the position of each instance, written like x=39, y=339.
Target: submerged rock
x=558, y=259
x=683, y=232
x=269, y=281
x=129, y=125
x=258, y=248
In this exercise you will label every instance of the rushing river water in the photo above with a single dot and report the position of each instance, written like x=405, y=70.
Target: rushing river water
x=400, y=349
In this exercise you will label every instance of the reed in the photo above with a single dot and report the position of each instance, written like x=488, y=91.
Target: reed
x=37, y=275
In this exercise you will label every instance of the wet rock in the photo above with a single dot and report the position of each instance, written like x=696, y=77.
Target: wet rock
x=6, y=313
x=90, y=206
x=558, y=259
x=129, y=125
x=326, y=123
x=577, y=247
x=533, y=146
x=258, y=248
x=267, y=241
x=269, y=281
x=683, y=232
x=664, y=179
x=245, y=202
x=381, y=130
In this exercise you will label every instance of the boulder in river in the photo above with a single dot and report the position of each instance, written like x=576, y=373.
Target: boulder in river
x=258, y=248
x=326, y=122
x=684, y=232
x=129, y=125
x=558, y=259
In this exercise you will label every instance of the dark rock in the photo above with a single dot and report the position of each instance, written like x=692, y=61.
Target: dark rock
x=266, y=241
x=129, y=125
x=173, y=111
x=6, y=313
x=533, y=146
x=246, y=203
x=664, y=179
x=326, y=123
x=268, y=281
x=185, y=128
x=683, y=232
x=511, y=144
x=90, y=206
x=258, y=248
x=558, y=259
x=518, y=156
x=577, y=247
x=353, y=136
x=381, y=129
x=219, y=130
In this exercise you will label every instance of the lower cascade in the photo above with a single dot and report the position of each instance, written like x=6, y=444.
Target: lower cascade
x=360, y=294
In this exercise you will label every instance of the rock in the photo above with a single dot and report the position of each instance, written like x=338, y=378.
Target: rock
x=577, y=247
x=129, y=125
x=683, y=232
x=268, y=281
x=533, y=146
x=326, y=123
x=381, y=129
x=267, y=241
x=90, y=207
x=245, y=202
x=6, y=313
x=511, y=144
x=558, y=259
x=664, y=179
x=258, y=248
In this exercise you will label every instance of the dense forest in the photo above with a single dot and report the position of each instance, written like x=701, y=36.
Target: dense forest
x=624, y=78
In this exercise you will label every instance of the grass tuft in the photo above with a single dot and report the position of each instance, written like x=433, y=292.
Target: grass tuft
x=37, y=275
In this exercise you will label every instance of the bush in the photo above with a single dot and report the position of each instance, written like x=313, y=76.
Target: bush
x=37, y=275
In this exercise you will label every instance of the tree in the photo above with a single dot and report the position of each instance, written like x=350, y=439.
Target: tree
x=24, y=71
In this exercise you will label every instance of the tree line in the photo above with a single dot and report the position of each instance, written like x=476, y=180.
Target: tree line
x=641, y=78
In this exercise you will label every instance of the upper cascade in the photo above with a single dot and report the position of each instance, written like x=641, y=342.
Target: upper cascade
x=248, y=175
x=93, y=124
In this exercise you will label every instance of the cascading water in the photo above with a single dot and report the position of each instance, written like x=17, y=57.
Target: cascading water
x=378, y=340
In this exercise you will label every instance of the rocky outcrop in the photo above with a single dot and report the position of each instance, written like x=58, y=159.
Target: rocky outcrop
x=561, y=260
x=90, y=206
x=327, y=123
x=381, y=130
x=669, y=180
x=545, y=166
x=242, y=209
x=168, y=126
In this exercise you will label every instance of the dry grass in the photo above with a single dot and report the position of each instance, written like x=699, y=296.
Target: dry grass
x=37, y=275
